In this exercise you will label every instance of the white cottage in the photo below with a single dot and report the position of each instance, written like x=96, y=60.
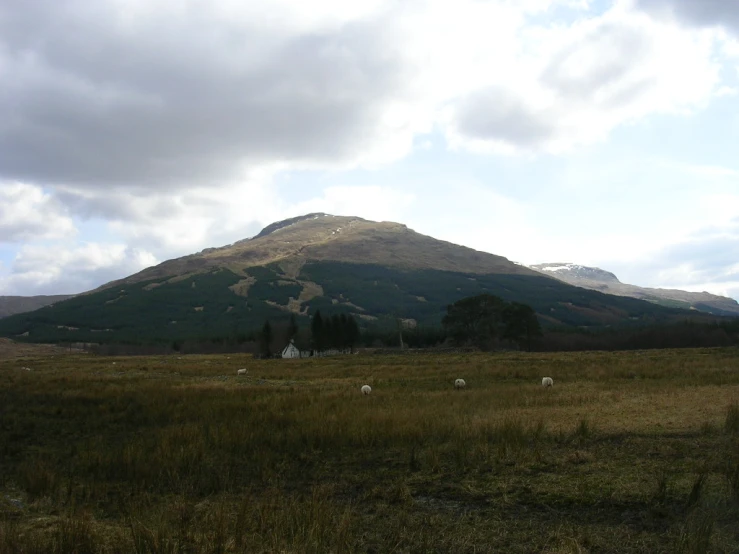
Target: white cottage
x=291, y=351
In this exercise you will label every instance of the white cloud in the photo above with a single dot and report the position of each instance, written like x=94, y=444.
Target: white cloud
x=718, y=13
x=373, y=202
x=180, y=94
x=187, y=221
x=709, y=171
x=61, y=269
x=472, y=214
x=29, y=213
x=173, y=223
x=580, y=82
x=172, y=121
x=730, y=47
x=182, y=223
x=704, y=259
x=727, y=91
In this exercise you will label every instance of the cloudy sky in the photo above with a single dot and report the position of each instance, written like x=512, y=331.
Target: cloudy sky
x=601, y=132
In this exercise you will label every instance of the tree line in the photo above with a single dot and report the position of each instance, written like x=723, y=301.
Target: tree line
x=339, y=332
x=489, y=322
x=485, y=322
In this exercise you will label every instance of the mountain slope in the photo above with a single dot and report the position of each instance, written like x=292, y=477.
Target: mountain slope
x=320, y=236
x=10, y=305
x=597, y=279
x=377, y=271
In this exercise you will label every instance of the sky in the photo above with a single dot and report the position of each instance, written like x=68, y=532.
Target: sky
x=598, y=132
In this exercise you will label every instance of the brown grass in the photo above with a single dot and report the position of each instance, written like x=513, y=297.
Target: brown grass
x=628, y=452
x=12, y=350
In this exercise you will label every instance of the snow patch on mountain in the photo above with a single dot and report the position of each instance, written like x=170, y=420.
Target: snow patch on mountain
x=577, y=271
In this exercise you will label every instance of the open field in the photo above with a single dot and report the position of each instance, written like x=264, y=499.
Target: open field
x=18, y=350
x=628, y=452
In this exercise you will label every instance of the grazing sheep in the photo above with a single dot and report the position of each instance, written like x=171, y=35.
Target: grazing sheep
x=366, y=389
x=460, y=384
x=241, y=371
x=547, y=382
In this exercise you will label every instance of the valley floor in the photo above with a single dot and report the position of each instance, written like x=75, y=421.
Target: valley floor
x=628, y=452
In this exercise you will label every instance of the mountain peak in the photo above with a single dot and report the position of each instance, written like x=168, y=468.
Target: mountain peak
x=375, y=271
x=319, y=236
x=576, y=271
x=277, y=225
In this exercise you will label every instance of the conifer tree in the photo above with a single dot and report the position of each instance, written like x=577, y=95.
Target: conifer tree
x=265, y=339
x=318, y=332
x=352, y=332
x=292, y=328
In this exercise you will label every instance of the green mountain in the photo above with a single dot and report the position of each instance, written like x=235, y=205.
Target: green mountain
x=10, y=305
x=377, y=271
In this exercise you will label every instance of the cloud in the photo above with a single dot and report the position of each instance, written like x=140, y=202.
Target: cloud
x=113, y=93
x=61, y=269
x=696, y=12
x=181, y=222
x=709, y=171
x=29, y=213
x=600, y=73
x=505, y=117
x=169, y=95
x=705, y=259
x=373, y=202
x=170, y=123
x=173, y=223
x=469, y=213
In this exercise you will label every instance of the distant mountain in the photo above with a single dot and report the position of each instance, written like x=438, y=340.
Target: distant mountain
x=10, y=305
x=574, y=272
x=598, y=279
x=377, y=271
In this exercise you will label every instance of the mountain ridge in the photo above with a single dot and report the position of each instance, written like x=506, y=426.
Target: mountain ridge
x=380, y=272
x=595, y=278
x=11, y=305
x=320, y=237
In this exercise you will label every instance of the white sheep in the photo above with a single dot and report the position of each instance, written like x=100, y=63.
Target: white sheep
x=460, y=384
x=366, y=389
x=241, y=371
x=547, y=382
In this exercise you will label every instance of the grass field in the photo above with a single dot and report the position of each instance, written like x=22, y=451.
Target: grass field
x=628, y=452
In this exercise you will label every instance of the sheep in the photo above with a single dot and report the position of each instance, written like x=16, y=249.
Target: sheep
x=366, y=389
x=241, y=371
x=460, y=384
x=547, y=382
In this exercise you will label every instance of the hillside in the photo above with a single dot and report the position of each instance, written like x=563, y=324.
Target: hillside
x=324, y=237
x=377, y=271
x=12, y=350
x=597, y=279
x=10, y=305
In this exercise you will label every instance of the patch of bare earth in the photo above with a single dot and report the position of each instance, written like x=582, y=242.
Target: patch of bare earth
x=10, y=349
x=242, y=287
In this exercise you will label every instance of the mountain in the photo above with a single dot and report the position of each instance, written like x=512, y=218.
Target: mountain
x=10, y=305
x=597, y=279
x=377, y=271
x=322, y=237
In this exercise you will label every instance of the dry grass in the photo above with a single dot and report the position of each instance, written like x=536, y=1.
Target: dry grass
x=628, y=452
x=11, y=350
